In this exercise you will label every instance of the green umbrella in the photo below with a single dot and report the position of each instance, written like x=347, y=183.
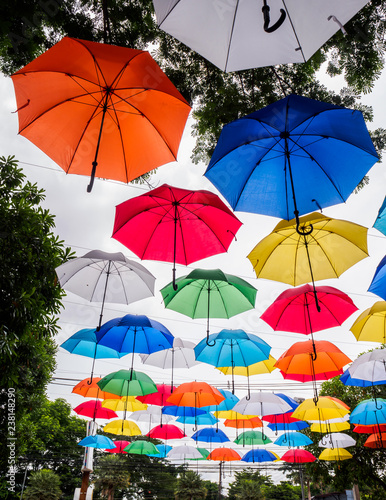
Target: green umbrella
x=251, y=438
x=209, y=293
x=204, y=452
x=127, y=383
x=141, y=447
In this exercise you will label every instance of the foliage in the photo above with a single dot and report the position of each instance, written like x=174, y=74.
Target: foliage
x=211, y=490
x=110, y=476
x=43, y=485
x=252, y=485
x=190, y=486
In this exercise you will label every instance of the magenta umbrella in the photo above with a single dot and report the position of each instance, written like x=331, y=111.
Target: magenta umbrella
x=166, y=431
x=94, y=409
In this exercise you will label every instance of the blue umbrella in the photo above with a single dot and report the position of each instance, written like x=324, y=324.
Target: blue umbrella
x=163, y=451
x=228, y=403
x=232, y=348
x=210, y=435
x=380, y=221
x=259, y=455
x=369, y=412
x=293, y=404
x=205, y=419
x=182, y=411
x=97, y=441
x=346, y=379
x=292, y=426
x=291, y=157
x=378, y=283
x=293, y=439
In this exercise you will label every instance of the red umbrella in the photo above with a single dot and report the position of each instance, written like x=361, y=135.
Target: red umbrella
x=223, y=455
x=166, y=431
x=158, y=398
x=298, y=456
x=295, y=310
x=119, y=447
x=281, y=418
x=195, y=394
x=376, y=440
x=94, y=409
x=370, y=429
x=175, y=225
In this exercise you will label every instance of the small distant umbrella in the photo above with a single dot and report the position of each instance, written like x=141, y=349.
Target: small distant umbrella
x=89, y=388
x=163, y=450
x=184, y=452
x=129, y=403
x=210, y=435
x=297, y=425
x=260, y=455
x=166, y=432
x=232, y=415
x=159, y=397
x=94, y=409
x=336, y=440
x=122, y=428
x=209, y=293
x=325, y=427
x=182, y=411
x=204, y=453
x=97, y=441
x=323, y=409
x=376, y=441
x=380, y=221
x=370, y=366
x=370, y=326
x=261, y=367
x=250, y=438
x=293, y=439
x=262, y=403
x=335, y=454
x=128, y=383
x=378, y=283
x=296, y=456
x=196, y=394
x=224, y=455
x=151, y=414
x=119, y=447
x=369, y=429
x=205, y=419
x=141, y=447
x=369, y=412
x=250, y=423
x=227, y=404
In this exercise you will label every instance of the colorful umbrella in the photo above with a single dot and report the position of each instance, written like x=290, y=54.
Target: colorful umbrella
x=97, y=441
x=163, y=450
x=204, y=454
x=151, y=414
x=260, y=455
x=129, y=403
x=297, y=425
x=323, y=409
x=376, y=441
x=166, y=431
x=141, y=447
x=210, y=435
x=250, y=438
x=128, y=383
x=336, y=440
x=122, y=428
x=195, y=394
x=370, y=366
x=160, y=397
x=370, y=326
x=378, y=283
x=223, y=455
x=232, y=348
x=291, y=157
x=335, y=454
x=261, y=367
x=182, y=411
x=205, y=419
x=90, y=104
x=296, y=456
x=369, y=412
x=227, y=404
x=262, y=403
x=184, y=452
x=293, y=439
x=324, y=427
x=89, y=388
x=209, y=293
x=94, y=409
x=369, y=429
x=380, y=221
x=175, y=225
x=228, y=34
x=347, y=379
x=250, y=423
x=119, y=447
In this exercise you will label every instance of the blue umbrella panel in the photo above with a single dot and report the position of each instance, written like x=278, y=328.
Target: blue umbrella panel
x=293, y=439
x=378, y=283
x=380, y=221
x=259, y=455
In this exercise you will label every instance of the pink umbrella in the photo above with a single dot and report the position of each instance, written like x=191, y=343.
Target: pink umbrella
x=158, y=398
x=94, y=409
x=298, y=456
x=119, y=447
x=166, y=431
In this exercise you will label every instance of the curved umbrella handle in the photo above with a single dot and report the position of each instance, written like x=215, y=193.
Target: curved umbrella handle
x=267, y=20
x=175, y=286
x=303, y=232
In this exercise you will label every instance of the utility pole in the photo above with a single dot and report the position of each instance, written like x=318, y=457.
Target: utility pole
x=220, y=481
x=88, y=460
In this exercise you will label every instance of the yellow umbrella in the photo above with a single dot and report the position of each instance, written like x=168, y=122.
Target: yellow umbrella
x=265, y=366
x=323, y=248
x=122, y=428
x=324, y=409
x=371, y=324
x=335, y=454
x=324, y=427
x=129, y=403
x=232, y=415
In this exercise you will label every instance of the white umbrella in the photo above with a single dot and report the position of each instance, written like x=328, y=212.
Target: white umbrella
x=152, y=415
x=184, y=452
x=337, y=440
x=262, y=403
x=370, y=366
x=103, y=277
x=345, y=418
x=236, y=35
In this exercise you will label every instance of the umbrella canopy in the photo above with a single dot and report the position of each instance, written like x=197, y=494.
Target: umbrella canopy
x=204, y=419
x=195, y=394
x=97, y=441
x=182, y=411
x=163, y=450
x=261, y=367
x=160, y=397
x=289, y=32
x=128, y=383
x=295, y=309
x=122, y=428
x=296, y=456
x=335, y=454
x=89, y=388
x=175, y=225
x=336, y=440
x=129, y=403
x=369, y=412
x=88, y=104
x=250, y=423
x=370, y=326
x=262, y=403
x=119, y=447
x=347, y=379
x=184, y=452
x=153, y=414
x=370, y=366
x=369, y=429
x=210, y=435
x=223, y=455
x=260, y=455
x=323, y=427
x=86, y=343
x=291, y=157
x=209, y=293
x=332, y=247
x=380, y=221
x=323, y=409
x=250, y=438
x=204, y=454
x=166, y=431
x=227, y=404
x=378, y=283
x=141, y=447
x=298, y=425
x=94, y=409
x=376, y=441
x=293, y=439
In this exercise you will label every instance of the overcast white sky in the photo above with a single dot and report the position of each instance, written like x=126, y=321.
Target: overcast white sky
x=84, y=221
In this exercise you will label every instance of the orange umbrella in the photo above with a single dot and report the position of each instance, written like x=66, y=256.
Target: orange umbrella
x=223, y=455
x=376, y=440
x=88, y=104
x=195, y=394
x=250, y=423
x=89, y=388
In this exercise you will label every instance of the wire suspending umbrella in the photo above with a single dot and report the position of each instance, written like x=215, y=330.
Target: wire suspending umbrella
x=100, y=109
x=175, y=225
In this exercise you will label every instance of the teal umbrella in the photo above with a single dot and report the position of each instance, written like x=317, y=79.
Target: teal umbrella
x=209, y=293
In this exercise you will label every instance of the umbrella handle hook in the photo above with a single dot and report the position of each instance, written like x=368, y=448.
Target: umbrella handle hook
x=267, y=19
x=376, y=405
x=315, y=399
x=303, y=232
x=208, y=343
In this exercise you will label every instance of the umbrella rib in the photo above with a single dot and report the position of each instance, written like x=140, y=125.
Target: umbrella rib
x=231, y=35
